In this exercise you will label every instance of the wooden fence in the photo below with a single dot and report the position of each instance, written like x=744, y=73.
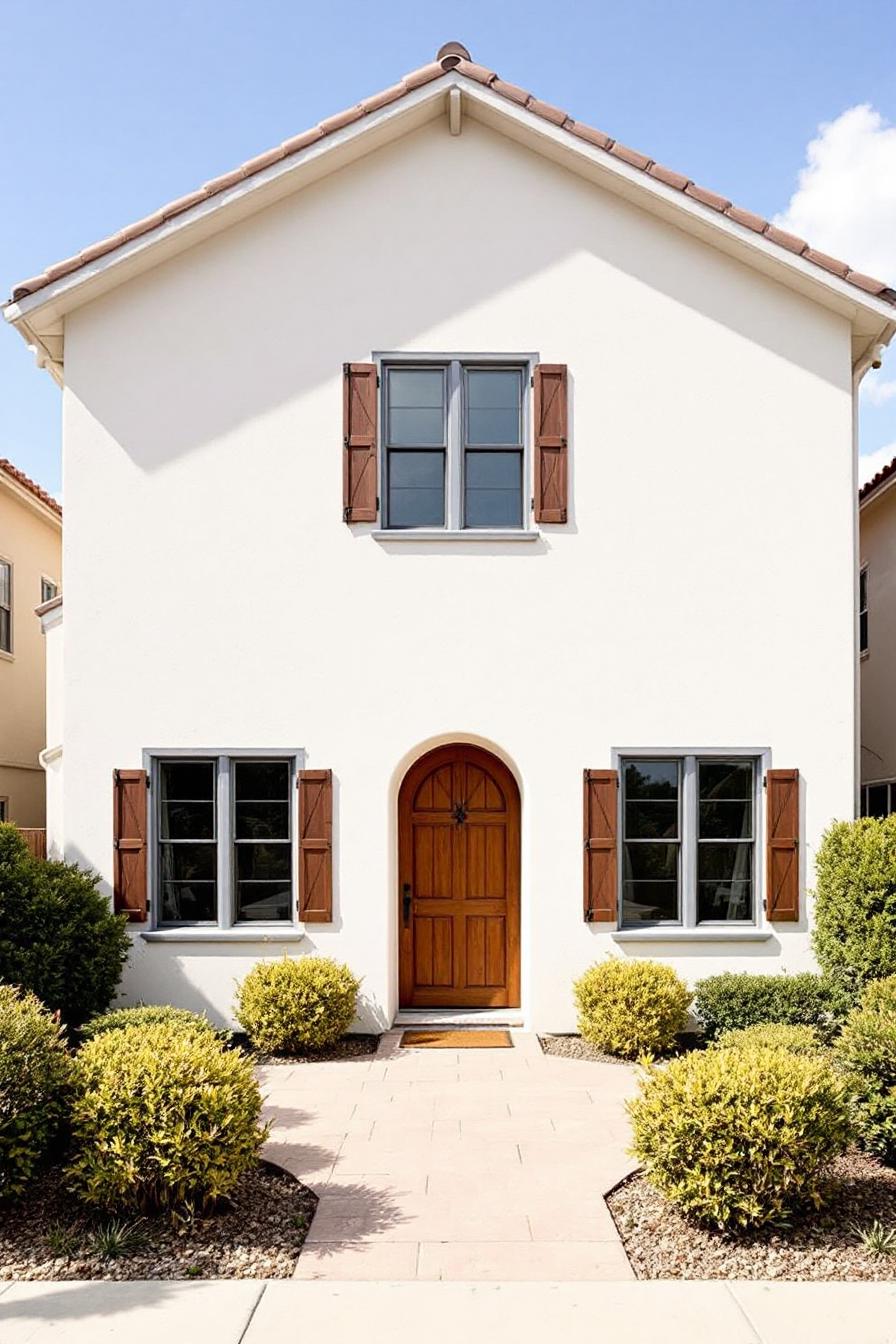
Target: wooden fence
x=36, y=840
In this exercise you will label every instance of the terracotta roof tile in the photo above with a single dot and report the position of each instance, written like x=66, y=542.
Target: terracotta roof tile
x=878, y=479
x=453, y=56
x=31, y=486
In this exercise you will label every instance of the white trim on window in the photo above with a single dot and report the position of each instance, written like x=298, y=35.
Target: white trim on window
x=8, y=650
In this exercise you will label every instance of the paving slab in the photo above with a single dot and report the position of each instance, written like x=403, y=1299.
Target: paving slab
x=809, y=1313
x=139, y=1313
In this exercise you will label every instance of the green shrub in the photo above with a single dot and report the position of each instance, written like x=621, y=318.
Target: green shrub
x=739, y=999
x=58, y=936
x=772, y=1036
x=855, y=900
x=739, y=1138
x=631, y=1008
x=162, y=1119
x=34, y=1076
x=866, y=1049
x=145, y=1015
x=297, y=1004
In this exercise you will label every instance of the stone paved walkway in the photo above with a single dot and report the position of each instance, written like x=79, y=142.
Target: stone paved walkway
x=464, y=1165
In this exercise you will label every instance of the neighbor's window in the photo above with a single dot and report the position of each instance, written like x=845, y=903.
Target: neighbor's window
x=879, y=800
x=863, y=609
x=224, y=827
x=4, y=808
x=5, y=606
x=688, y=840
x=454, y=444
x=48, y=590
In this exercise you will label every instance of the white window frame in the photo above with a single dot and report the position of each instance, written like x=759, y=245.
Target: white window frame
x=863, y=611
x=226, y=922
x=455, y=365
x=10, y=652
x=51, y=583
x=688, y=843
x=889, y=784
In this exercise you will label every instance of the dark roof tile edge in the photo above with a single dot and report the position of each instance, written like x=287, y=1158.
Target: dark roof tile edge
x=878, y=479
x=31, y=486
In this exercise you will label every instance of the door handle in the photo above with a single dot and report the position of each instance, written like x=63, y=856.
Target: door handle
x=406, y=901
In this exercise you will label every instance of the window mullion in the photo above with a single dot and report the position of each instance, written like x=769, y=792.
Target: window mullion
x=454, y=448
x=689, y=842
x=224, y=833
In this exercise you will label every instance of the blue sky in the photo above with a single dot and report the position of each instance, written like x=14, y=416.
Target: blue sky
x=111, y=110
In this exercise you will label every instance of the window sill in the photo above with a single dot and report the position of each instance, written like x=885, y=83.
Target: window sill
x=515, y=534
x=292, y=933
x=678, y=935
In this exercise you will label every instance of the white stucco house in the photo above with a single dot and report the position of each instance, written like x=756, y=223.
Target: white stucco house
x=461, y=561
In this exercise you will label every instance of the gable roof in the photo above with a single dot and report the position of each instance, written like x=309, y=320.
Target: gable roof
x=453, y=57
x=32, y=488
x=880, y=478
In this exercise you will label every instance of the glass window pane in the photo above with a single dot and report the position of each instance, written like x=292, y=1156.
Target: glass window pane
x=651, y=779
x=878, y=804
x=726, y=821
x=264, y=900
x=187, y=821
x=261, y=779
x=725, y=900
x=493, y=490
x=264, y=862
x=261, y=820
x=189, y=902
x=651, y=819
x=5, y=583
x=649, y=902
x=863, y=631
x=416, y=407
x=416, y=489
x=5, y=631
x=724, y=863
x=188, y=781
x=649, y=862
x=726, y=779
x=186, y=862
x=493, y=406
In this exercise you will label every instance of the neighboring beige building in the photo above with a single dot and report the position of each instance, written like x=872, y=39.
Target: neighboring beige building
x=877, y=641
x=30, y=575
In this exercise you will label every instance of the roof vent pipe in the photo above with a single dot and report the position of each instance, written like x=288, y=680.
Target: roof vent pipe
x=450, y=53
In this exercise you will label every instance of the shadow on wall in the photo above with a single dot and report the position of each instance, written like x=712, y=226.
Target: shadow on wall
x=256, y=317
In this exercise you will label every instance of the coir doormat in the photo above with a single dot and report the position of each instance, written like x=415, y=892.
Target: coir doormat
x=456, y=1040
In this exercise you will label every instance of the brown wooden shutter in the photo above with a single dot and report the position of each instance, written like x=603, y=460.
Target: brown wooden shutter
x=782, y=898
x=359, y=402
x=129, y=809
x=601, y=789
x=316, y=846
x=550, y=417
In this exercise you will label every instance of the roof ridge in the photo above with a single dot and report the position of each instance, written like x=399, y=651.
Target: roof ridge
x=452, y=58
x=31, y=486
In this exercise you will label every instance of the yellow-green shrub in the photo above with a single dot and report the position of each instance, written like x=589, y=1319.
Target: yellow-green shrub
x=145, y=1015
x=866, y=1050
x=297, y=1004
x=631, y=1008
x=162, y=1118
x=34, y=1076
x=799, y=1040
x=739, y=1138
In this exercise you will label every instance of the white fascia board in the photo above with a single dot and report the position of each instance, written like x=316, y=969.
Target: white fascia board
x=30, y=501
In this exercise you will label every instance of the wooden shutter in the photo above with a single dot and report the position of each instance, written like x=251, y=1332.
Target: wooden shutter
x=601, y=789
x=316, y=846
x=782, y=898
x=550, y=416
x=359, y=402
x=129, y=809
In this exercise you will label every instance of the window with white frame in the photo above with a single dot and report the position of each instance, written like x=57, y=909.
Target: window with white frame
x=863, y=609
x=224, y=830
x=688, y=839
x=879, y=799
x=5, y=606
x=453, y=435
x=48, y=590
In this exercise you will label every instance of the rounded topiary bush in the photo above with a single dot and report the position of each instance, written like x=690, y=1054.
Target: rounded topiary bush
x=855, y=900
x=162, y=1118
x=631, y=1008
x=740, y=1138
x=798, y=1040
x=146, y=1015
x=866, y=1050
x=58, y=935
x=737, y=999
x=298, y=1004
x=34, y=1076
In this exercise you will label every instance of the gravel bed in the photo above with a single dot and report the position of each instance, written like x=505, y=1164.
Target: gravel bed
x=257, y=1235
x=573, y=1047
x=662, y=1244
x=347, y=1047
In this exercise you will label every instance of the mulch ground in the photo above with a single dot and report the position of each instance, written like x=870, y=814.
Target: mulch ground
x=258, y=1234
x=347, y=1047
x=662, y=1244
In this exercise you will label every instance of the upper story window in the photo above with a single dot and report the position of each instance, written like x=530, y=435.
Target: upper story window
x=454, y=439
x=224, y=830
x=48, y=590
x=879, y=800
x=5, y=606
x=863, y=609
x=688, y=840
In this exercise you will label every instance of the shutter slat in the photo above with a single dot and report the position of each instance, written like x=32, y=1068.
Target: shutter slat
x=600, y=809
x=316, y=846
x=551, y=449
x=782, y=897
x=129, y=818
x=359, y=417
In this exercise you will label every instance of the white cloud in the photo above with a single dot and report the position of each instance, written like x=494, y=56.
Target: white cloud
x=845, y=201
x=877, y=390
x=871, y=463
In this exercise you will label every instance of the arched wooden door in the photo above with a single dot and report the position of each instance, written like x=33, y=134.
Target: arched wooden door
x=459, y=881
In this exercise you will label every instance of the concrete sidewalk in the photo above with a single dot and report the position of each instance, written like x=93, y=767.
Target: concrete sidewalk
x=251, y=1312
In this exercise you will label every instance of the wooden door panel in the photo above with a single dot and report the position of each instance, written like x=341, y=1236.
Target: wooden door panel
x=459, y=860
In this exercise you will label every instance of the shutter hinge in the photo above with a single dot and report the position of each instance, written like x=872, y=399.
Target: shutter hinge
x=377, y=503
x=116, y=775
x=377, y=380
x=532, y=506
x=532, y=380
x=589, y=916
x=148, y=782
x=347, y=513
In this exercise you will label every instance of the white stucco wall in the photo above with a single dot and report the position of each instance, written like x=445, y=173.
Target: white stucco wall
x=700, y=596
x=52, y=755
